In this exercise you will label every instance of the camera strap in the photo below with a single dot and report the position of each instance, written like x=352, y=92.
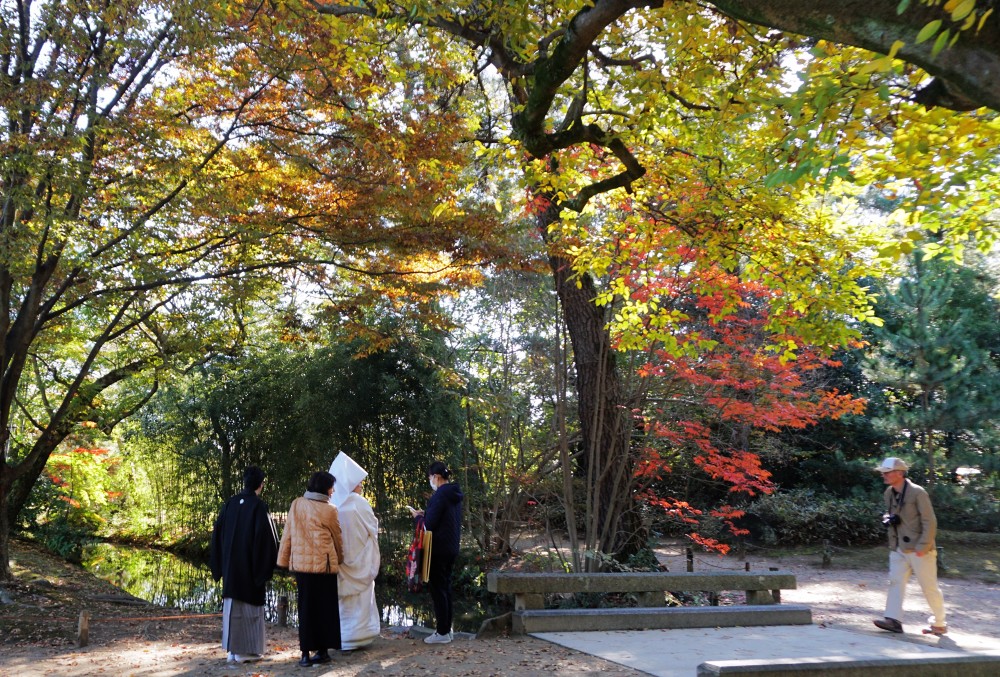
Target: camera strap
x=898, y=499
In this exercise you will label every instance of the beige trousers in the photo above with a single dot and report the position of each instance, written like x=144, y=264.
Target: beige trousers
x=901, y=566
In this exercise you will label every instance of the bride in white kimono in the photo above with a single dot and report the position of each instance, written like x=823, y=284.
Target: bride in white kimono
x=359, y=617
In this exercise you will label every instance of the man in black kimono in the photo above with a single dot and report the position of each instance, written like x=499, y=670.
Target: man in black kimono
x=244, y=554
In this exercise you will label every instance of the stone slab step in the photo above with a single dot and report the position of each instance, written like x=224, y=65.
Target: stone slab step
x=648, y=618
x=954, y=664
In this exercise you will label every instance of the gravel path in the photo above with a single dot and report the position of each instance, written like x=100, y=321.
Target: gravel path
x=852, y=598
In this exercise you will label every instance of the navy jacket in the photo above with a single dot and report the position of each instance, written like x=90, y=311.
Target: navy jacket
x=443, y=518
x=244, y=548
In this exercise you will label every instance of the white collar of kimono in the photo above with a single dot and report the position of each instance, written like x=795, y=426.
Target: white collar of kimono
x=348, y=475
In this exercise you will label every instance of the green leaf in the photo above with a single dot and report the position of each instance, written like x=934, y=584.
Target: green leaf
x=901, y=7
x=776, y=178
x=982, y=19
x=928, y=31
x=963, y=10
x=800, y=171
x=941, y=42
x=889, y=251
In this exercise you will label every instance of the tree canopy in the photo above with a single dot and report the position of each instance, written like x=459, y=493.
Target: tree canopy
x=964, y=53
x=168, y=163
x=630, y=120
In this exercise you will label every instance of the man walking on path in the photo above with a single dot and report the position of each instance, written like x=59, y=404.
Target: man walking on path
x=244, y=554
x=910, y=520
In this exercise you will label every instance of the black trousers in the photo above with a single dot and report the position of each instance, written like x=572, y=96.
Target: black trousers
x=319, y=612
x=439, y=582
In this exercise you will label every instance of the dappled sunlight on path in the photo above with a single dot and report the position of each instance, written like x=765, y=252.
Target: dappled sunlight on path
x=851, y=598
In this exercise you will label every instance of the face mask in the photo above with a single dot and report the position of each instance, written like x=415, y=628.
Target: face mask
x=433, y=485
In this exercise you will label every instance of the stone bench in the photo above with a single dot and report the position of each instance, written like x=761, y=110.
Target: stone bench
x=529, y=590
x=952, y=664
x=657, y=618
x=763, y=594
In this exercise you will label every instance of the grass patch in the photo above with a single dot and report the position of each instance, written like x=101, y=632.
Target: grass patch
x=968, y=538
x=970, y=555
x=870, y=557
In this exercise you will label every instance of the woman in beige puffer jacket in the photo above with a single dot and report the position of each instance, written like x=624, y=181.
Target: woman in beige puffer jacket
x=312, y=549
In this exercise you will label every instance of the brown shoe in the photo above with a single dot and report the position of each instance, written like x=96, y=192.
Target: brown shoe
x=935, y=630
x=890, y=624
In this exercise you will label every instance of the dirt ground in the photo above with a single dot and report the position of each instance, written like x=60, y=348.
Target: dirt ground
x=38, y=626
x=39, y=619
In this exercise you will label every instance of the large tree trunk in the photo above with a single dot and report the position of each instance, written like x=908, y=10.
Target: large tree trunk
x=16, y=482
x=613, y=524
x=5, y=572
x=28, y=473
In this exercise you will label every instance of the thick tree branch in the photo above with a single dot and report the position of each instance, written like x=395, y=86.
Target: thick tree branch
x=550, y=73
x=604, y=61
x=967, y=73
x=633, y=172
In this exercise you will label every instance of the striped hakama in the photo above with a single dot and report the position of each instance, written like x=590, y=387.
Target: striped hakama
x=242, y=627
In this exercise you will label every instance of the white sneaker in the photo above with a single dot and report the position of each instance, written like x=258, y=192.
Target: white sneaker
x=230, y=657
x=248, y=658
x=438, y=639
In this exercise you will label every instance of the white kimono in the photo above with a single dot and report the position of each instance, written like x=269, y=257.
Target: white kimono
x=359, y=616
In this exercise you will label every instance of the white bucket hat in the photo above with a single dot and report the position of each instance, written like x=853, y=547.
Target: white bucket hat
x=348, y=475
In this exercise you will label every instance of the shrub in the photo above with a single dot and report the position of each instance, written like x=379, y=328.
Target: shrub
x=971, y=507
x=802, y=516
x=65, y=538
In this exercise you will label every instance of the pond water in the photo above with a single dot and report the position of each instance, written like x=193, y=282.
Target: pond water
x=171, y=581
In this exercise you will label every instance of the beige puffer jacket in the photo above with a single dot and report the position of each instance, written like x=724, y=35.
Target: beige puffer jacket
x=311, y=542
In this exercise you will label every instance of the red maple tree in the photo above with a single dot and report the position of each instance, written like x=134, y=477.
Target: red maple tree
x=719, y=385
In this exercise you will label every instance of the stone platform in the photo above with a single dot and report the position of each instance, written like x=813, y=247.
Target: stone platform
x=679, y=653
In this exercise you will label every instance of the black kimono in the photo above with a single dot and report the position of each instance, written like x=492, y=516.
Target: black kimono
x=244, y=548
x=244, y=555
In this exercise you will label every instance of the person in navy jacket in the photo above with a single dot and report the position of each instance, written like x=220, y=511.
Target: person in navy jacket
x=443, y=518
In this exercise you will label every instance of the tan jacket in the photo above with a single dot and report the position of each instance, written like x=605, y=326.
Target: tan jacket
x=918, y=525
x=311, y=542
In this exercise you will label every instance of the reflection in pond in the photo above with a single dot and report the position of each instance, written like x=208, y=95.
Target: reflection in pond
x=406, y=608
x=165, y=579
x=155, y=576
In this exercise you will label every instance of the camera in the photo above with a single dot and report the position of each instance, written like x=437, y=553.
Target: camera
x=891, y=520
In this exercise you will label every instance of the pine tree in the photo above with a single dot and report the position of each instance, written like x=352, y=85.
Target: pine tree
x=936, y=357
